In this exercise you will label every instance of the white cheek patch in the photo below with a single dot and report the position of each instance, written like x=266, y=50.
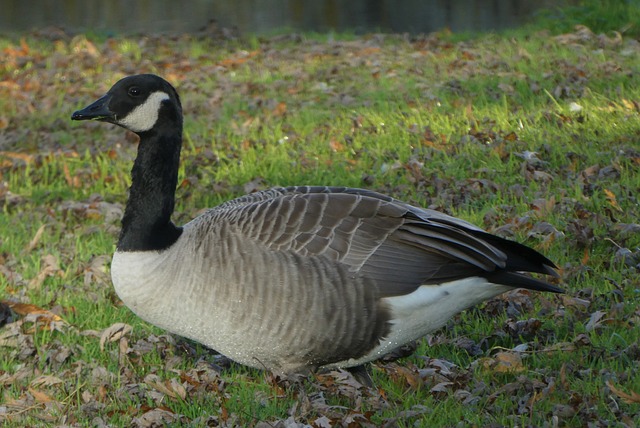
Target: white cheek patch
x=144, y=117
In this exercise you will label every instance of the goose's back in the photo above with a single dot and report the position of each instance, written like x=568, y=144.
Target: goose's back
x=251, y=283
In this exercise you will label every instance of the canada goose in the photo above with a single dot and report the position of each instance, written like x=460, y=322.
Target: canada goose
x=298, y=278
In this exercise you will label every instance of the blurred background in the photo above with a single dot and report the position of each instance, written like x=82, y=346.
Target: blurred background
x=265, y=16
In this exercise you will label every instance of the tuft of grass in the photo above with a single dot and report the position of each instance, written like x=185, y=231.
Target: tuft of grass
x=601, y=16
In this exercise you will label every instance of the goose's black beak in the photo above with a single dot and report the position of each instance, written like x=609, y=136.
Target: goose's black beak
x=99, y=110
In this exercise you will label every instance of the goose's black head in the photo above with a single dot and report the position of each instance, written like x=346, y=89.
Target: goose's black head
x=138, y=103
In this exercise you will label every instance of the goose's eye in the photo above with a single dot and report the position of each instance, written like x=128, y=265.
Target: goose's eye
x=134, y=91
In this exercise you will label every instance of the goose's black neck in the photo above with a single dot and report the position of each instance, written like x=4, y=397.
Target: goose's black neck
x=146, y=225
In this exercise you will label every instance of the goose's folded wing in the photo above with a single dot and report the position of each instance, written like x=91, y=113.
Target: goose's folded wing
x=399, y=245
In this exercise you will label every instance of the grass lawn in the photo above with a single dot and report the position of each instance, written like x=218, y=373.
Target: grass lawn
x=532, y=135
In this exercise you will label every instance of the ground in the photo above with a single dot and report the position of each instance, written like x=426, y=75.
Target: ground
x=532, y=135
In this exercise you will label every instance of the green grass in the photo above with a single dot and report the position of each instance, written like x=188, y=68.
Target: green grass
x=601, y=16
x=435, y=121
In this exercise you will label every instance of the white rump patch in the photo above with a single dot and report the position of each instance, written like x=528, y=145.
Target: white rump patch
x=144, y=117
x=426, y=309
x=429, y=307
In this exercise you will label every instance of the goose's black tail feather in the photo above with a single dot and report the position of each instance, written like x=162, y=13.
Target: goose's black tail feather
x=516, y=280
x=520, y=258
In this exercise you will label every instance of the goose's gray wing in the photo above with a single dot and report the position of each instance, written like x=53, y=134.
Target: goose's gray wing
x=398, y=245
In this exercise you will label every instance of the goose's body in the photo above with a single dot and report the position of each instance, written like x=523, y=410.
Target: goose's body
x=292, y=279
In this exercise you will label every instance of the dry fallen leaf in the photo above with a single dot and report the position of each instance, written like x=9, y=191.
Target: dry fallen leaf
x=336, y=145
x=50, y=267
x=72, y=180
x=155, y=418
x=574, y=302
x=34, y=242
x=611, y=199
x=595, y=320
x=170, y=387
x=631, y=398
x=10, y=338
x=279, y=110
x=412, y=378
x=24, y=157
x=442, y=387
x=96, y=270
x=504, y=362
x=322, y=422
x=579, y=341
x=114, y=333
x=46, y=319
x=241, y=58
x=46, y=380
x=40, y=396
